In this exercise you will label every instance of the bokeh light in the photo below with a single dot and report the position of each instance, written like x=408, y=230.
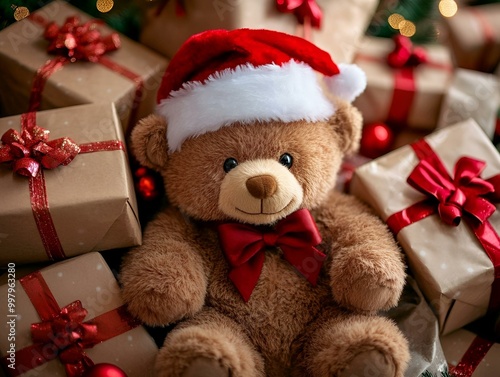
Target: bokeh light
x=20, y=13
x=407, y=28
x=395, y=19
x=448, y=8
x=104, y=6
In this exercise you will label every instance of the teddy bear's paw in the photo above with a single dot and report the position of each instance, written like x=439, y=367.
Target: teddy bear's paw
x=369, y=364
x=347, y=345
x=209, y=344
x=158, y=309
x=203, y=367
x=365, y=294
x=368, y=297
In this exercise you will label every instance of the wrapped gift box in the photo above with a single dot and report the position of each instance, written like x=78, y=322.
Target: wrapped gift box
x=87, y=278
x=423, y=98
x=472, y=94
x=406, y=137
x=343, y=23
x=474, y=36
x=450, y=265
x=23, y=51
x=471, y=356
x=91, y=200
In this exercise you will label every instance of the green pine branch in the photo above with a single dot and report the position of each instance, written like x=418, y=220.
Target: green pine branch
x=125, y=16
x=8, y=7
x=423, y=13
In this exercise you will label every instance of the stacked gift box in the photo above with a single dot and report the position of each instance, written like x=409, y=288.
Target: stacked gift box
x=335, y=26
x=71, y=90
x=76, y=296
x=450, y=241
x=431, y=114
x=413, y=90
x=77, y=201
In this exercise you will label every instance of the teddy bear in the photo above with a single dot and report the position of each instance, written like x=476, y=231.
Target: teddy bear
x=263, y=268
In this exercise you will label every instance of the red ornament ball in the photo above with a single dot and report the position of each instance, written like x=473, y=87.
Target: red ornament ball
x=147, y=187
x=376, y=140
x=141, y=172
x=105, y=370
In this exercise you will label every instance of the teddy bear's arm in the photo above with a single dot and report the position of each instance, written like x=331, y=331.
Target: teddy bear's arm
x=366, y=267
x=164, y=279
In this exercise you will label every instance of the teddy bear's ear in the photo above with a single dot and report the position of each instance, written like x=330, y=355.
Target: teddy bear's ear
x=149, y=141
x=347, y=122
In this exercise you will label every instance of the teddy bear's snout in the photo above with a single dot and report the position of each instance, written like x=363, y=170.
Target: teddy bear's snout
x=262, y=186
x=259, y=191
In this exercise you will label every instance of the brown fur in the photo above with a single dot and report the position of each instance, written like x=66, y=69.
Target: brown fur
x=288, y=327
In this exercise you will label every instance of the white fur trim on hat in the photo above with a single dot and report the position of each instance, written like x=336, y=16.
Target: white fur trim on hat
x=349, y=83
x=246, y=94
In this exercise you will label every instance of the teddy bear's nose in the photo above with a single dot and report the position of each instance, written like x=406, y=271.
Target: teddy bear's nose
x=261, y=186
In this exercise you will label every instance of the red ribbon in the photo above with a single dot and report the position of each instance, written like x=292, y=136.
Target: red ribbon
x=79, y=41
x=75, y=41
x=404, y=58
x=464, y=196
x=62, y=333
x=244, y=247
x=405, y=54
x=306, y=11
x=30, y=150
x=472, y=357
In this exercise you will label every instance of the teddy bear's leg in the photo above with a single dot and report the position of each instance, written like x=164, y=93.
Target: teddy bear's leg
x=209, y=345
x=343, y=344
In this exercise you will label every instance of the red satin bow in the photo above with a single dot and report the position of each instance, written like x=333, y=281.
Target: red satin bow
x=244, y=246
x=79, y=41
x=465, y=192
x=68, y=336
x=302, y=9
x=31, y=149
x=405, y=54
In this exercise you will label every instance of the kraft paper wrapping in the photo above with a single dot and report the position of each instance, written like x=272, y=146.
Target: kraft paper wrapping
x=343, y=23
x=23, y=52
x=406, y=137
x=467, y=33
x=91, y=200
x=458, y=342
x=431, y=84
x=472, y=94
x=450, y=266
x=86, y=278
x=419, y=325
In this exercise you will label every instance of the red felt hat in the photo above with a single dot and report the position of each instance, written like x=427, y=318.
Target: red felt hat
x=220, y=77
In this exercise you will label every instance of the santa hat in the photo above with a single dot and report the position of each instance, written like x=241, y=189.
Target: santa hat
x=220, y=77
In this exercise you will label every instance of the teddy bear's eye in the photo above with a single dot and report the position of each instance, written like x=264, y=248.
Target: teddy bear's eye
x=286, y=160
x=230, y=164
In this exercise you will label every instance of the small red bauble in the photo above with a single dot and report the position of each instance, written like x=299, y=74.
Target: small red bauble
x=105, y=370
x=376, y=140
x=147, y=187
x=141, y=172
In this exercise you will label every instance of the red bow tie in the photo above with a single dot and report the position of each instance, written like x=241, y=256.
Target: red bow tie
x=244, y=245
